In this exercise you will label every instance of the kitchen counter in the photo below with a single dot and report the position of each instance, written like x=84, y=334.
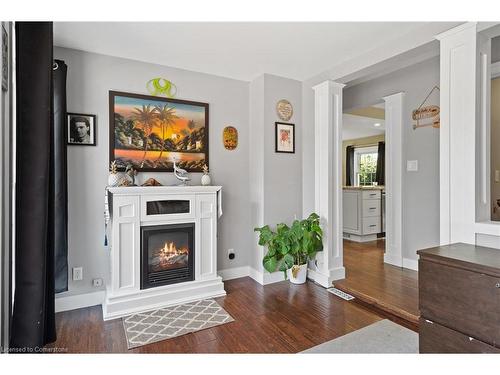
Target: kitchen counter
x=364, y=187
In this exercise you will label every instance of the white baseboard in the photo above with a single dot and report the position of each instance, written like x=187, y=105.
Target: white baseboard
x=265, y=278
x=275, y=277
x=256, y=275
x=78, y=301
x=234, y=273
x=394, y=260
x=410, y=263
x=326, y=280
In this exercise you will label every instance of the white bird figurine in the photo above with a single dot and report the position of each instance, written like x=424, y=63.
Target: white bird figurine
x=180, y=173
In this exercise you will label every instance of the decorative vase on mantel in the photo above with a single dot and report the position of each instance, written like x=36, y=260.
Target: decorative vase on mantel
x=114, y=177
x=205, y=179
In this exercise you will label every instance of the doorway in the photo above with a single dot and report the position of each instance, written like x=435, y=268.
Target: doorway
x=363, y=174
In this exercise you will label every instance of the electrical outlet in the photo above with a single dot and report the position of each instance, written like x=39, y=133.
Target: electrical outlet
x=230, y=253
x=77, y=273
x=96, y=283
x=412, y=165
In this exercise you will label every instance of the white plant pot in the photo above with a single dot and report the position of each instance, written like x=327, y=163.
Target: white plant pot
x=301, y=275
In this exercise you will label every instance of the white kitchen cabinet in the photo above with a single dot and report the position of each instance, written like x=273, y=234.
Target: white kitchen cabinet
x=362, y=214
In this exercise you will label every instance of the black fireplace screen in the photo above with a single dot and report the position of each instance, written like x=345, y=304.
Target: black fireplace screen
x=167, y=254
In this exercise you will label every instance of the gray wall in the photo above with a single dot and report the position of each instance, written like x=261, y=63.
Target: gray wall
x=256, y=162
x=495, y=49
x=276, y=178
x=282, y=172
x=420, y=189
x=90, y=77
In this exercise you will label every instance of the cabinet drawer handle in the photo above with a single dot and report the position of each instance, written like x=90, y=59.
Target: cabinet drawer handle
x=373, y=225
x=372, y=208
x=497, y=285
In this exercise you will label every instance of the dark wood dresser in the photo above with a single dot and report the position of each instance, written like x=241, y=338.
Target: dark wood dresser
x=459, y=299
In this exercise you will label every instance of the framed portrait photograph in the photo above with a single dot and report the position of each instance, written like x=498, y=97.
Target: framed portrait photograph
x=81, y=129
x=150, y=132
x=285, y=137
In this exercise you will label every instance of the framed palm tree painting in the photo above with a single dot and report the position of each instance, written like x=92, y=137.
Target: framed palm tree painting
x=149, y=132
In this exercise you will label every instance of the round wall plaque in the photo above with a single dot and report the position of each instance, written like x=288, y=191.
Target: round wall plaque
x=284, y=110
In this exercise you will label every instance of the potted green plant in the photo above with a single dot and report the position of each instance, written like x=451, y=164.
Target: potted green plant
x=289, y=248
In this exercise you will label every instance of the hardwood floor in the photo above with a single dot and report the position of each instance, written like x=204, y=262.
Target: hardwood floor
x=369, y=279
x=277, y=318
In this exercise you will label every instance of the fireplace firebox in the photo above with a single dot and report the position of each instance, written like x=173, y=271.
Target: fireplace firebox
x=167, y=254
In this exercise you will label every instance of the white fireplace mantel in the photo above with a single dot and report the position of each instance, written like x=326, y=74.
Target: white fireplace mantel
x=128, y=213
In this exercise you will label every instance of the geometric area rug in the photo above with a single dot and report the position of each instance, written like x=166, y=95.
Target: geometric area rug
x=161, y=324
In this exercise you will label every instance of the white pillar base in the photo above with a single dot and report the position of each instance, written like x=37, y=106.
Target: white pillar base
x=326, y=280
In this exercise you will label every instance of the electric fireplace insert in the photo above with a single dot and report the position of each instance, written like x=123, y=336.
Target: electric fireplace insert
x=167, y=254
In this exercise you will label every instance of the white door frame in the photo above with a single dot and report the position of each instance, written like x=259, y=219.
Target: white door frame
x=328, y=179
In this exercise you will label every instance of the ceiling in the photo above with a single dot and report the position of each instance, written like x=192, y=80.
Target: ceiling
x=236, y=50
x=354, y=127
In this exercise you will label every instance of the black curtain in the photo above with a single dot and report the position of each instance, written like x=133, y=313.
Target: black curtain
x=33, y=319
x=349, y=166
x=380, y=173
x=59, y=187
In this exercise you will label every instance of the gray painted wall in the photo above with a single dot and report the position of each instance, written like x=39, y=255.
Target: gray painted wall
x=495, y=49
x=282, y=172
x=256, y=162
x=90, y=77
x=276, y=178
x=420, y=189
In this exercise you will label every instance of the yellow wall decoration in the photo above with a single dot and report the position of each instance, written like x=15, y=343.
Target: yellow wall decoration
x=230, y=137
x=161, y=86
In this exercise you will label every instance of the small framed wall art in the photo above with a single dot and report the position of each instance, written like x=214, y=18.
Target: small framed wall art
x=81, y=129
x=285, y=137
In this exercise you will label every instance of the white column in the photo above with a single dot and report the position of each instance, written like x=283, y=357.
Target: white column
x=457, y=149
x=393, y=178
x=328, y=181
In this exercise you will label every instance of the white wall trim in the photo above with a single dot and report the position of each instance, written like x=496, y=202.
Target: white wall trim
x=495, y=69
x=393, y=259
x=256, y=275
x=394, y=178
x=234, y=273
x=412, y=264
x=264, y=278
x=78, y=301
x=457, y=29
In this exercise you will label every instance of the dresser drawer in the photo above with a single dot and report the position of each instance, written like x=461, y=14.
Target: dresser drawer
x=371, y=207
x=465, y=301
x=371, y=225
x=435, y=338
x=371, y=194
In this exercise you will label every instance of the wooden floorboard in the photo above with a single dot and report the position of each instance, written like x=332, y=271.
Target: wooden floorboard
x=391, y=289
x=277, y=318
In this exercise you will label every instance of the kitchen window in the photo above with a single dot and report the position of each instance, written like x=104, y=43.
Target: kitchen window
x=365, y=165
